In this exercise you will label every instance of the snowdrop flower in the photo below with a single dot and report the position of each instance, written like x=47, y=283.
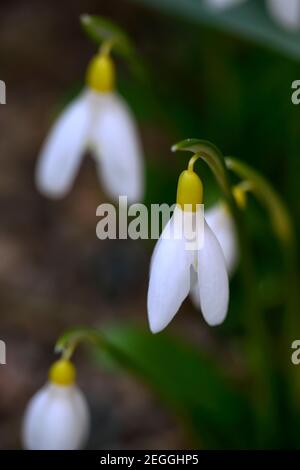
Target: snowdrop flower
x=175, y=269
x=100, y=121
x=285, y=12
x=57, y=417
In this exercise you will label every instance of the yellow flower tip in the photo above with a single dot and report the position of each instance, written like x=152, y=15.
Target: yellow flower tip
x=189, y=190
x=240, y=197
x=100, y=74
x=62, y=372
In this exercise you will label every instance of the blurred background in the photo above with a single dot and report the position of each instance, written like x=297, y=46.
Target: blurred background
x=209, y=75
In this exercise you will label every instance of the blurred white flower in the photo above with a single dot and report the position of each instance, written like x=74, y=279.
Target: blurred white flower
x=285, y=12
x=57, y=417
x=100, y=121
x=174, y=268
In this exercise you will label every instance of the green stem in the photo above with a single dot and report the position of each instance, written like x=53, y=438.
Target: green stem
x=68, y=342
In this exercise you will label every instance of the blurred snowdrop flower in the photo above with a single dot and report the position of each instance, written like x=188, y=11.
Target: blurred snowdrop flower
x=175, y=269
x=57, y=417
x=100, y=121
x=285, y=12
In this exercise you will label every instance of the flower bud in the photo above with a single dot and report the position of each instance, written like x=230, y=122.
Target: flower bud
x=57, y=416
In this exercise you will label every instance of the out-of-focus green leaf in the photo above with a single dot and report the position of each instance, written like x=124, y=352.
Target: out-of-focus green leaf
x=250, y=20
x=185, y=379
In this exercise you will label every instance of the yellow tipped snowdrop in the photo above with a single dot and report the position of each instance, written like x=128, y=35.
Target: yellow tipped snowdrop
x=100, y=121
x=176, y=268
x=57, y=417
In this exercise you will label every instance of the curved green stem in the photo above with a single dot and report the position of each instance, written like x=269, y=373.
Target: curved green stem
x=69, y=341
x=112, y=38
x=106, y=47
x=212, y=156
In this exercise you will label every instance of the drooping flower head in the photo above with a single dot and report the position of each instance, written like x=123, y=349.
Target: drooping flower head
x=99, y=121
x=177, y=265
x=57, y=417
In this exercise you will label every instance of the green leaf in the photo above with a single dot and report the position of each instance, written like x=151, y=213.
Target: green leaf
x=251, y=20
x=184, y=378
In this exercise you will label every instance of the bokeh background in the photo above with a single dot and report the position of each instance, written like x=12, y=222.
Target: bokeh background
x=206, y=78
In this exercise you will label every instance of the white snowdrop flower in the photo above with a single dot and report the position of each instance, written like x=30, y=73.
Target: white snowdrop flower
x=57, y=417
x=100, y=121
x=174, y=267
x=285, y=12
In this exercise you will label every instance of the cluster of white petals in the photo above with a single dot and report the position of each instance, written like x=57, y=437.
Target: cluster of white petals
x=176, y=271
x=56, y=418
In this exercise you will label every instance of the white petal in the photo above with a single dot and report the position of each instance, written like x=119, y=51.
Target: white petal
x=169, y=282
x=223, y=3
x=117, y=149
x=212, y=279
x=60, y=157
x=220, y=221
x=286, y=12
x=57, y=418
